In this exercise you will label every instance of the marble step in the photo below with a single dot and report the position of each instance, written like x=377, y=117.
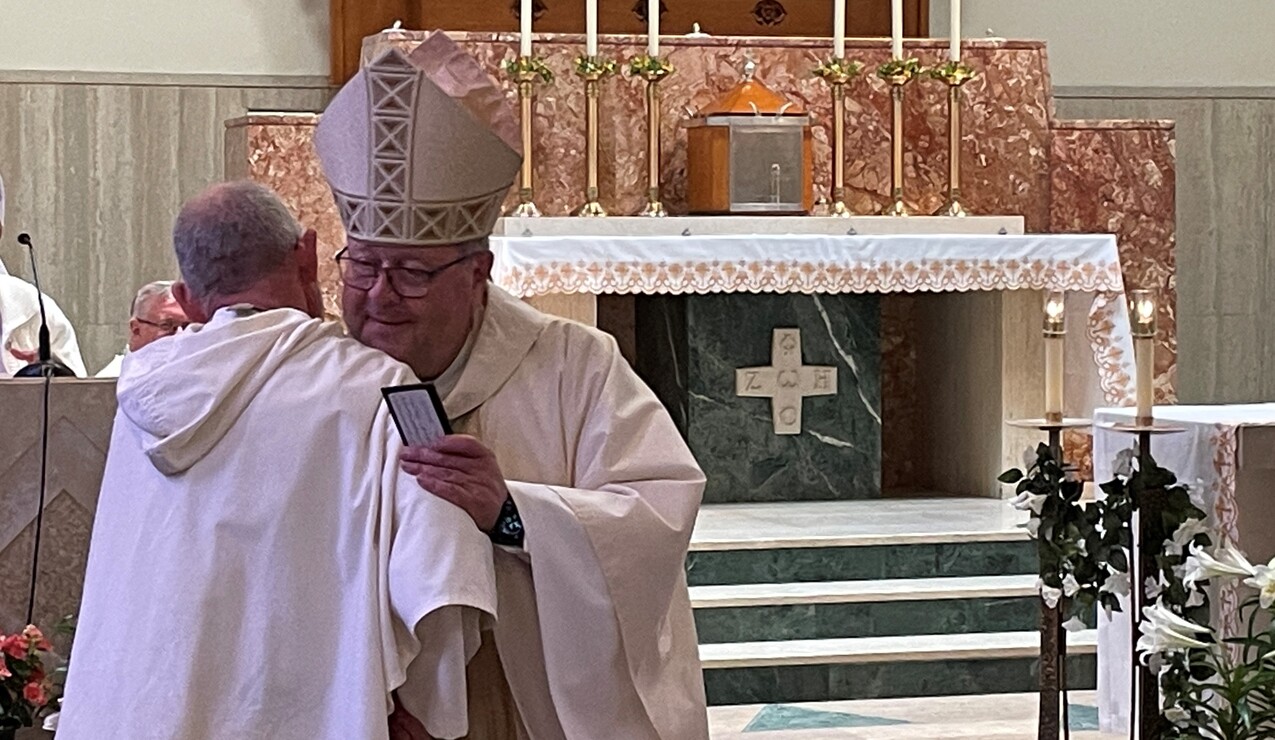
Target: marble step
x=922, y=606
x=858, y=540
x=885, y=667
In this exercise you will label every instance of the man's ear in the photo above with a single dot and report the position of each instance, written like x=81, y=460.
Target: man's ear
x=194, y=310
x=308, y=256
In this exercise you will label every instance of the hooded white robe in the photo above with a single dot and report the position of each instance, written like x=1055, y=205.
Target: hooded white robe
x=594, y=634
x=20, y=327
x=259, y=566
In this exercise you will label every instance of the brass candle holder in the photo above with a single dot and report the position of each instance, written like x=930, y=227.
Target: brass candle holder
x=837, y=73
x=955, y=74
x=653, y=70
x=897, y=72
x=592, y=70
x=525, y=71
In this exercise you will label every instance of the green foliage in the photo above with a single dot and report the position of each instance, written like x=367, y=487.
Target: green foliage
x=905, y=68
x=649, y=66
x=518, y=67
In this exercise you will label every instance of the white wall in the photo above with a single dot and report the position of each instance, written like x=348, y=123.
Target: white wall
x=237, y=37
x=1135, y=43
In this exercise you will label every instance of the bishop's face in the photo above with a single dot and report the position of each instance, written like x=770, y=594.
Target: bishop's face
x=416, y=304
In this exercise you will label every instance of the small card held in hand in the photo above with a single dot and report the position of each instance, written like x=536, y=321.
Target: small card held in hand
x=418, y=413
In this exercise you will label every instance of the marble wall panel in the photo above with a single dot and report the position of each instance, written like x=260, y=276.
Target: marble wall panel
x=96, y=167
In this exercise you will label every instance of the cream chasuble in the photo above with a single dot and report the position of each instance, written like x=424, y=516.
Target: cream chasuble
x=594, y=631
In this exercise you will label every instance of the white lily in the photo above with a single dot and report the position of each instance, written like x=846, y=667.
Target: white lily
x=1166, y=632
x=1032, y=526
x=1195, y=599
x=1124, y=462
x=1050, y=594
x=1264, y=581
x=1224, y=562
x=1116, y=583
x=1029, y=459
x=1027, y=501
x=1070, y=585
x=1075, y=624
x=1177, y=715
x=1153, y=587
x=1185, y=534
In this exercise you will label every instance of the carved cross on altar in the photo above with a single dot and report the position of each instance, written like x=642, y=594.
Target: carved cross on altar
x=786, y=382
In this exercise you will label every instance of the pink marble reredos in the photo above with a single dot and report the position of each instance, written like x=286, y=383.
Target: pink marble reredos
x=1061, y=176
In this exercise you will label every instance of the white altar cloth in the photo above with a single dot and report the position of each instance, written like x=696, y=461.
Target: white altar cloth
x=805, y=263
x=1217, y=443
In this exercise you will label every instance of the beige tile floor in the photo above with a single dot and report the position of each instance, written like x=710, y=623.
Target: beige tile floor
x=992, y=717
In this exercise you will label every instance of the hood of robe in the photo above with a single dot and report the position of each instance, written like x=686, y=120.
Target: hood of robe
x=184, y=393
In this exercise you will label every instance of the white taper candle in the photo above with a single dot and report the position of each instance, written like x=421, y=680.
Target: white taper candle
x=524, y=36
x=839, y=28
x=954, y=50
x=896, y=29
x=653, y=28
x=591, y=28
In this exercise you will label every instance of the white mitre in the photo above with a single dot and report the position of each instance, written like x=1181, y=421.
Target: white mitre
x=420, y=149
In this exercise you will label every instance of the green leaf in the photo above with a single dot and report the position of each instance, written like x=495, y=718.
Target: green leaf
x=1010, y=476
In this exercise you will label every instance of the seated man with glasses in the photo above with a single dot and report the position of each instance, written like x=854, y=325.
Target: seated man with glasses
x=155, y=315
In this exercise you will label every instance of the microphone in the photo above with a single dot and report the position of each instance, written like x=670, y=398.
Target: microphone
x=45, y=366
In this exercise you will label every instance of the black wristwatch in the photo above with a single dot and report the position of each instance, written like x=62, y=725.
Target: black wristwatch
x=508, y=530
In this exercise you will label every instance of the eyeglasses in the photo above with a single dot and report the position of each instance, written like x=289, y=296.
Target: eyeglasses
x=165, y=327
x=408, y=282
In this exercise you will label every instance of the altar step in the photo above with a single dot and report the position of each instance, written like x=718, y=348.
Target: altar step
x=827, y=601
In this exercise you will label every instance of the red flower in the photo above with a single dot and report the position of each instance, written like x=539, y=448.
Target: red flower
x=15, y=646
x=36, y=638
x=4, y=669
x=34, y=694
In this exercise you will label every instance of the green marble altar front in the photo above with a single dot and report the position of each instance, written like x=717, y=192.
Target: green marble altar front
x=689, y=349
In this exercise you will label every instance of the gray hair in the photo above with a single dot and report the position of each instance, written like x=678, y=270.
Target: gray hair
x=231, y=236
x=150, y=294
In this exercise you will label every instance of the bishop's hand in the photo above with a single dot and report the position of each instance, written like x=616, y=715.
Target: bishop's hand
x=459, y=469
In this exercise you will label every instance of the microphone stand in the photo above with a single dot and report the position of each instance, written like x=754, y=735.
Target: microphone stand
x=47, y=368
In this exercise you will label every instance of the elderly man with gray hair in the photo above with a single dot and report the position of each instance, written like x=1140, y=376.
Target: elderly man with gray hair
x=155, y=314
x=254, y=517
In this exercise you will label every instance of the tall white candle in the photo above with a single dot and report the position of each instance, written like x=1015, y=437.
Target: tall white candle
x=839, y=28
x=591, y=28
x=954, y=50
x=653, y=28
x=524, y=35
x=896, y=29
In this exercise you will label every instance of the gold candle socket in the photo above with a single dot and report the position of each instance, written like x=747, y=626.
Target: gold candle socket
x=592, y=70
x=955, y=74
x=837, y=73
x=653, y=70
x=897, y=72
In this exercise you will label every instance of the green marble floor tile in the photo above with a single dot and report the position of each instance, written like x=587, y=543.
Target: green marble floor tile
x=720, y=567
x=775, y=717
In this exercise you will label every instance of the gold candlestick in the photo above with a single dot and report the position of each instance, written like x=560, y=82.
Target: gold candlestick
x=592, y=70
x=653, y=70
x=837, y=73
x=955, y=74
x=525, y=71
x=897, y=72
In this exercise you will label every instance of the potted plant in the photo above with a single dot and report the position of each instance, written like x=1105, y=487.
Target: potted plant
x=26, y=682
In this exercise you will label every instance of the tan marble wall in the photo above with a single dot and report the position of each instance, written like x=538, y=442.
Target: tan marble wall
x=95, y=167
x=1225, y=246
x=1016, y=158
